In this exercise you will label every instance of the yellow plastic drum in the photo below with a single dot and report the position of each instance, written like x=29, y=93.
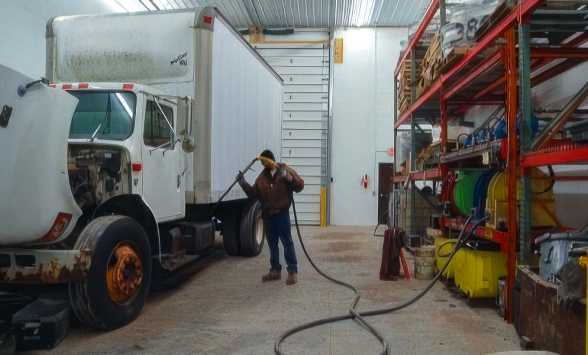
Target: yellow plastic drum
x=477, y=272
x=444, y=246
x=543, y=201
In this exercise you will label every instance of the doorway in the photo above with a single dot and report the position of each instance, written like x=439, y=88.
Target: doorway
x=384, y=185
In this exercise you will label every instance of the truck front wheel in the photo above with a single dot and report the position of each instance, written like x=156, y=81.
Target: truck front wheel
x=117, y=283
x=252, y=230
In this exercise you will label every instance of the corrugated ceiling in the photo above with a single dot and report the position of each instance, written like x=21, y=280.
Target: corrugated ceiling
x=299, y=13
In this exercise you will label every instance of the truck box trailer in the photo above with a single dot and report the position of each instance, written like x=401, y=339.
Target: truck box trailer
x=116, y=164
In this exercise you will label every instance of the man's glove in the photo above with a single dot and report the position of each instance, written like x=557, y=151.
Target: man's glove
x=240, y=177
x=286, y=175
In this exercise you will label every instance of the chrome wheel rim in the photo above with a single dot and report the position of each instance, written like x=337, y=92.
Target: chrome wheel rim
x=259, y=230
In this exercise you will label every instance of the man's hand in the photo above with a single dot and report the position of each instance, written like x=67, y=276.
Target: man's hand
x=286, y=175
x=240, y=178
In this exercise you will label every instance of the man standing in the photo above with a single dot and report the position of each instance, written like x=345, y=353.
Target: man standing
x=273, y=187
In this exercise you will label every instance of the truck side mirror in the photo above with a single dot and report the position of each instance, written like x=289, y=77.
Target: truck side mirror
x=185, y=110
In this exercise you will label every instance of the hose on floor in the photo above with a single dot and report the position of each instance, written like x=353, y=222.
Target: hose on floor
x=359, y=316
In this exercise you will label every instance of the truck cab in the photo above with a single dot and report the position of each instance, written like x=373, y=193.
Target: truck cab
x=124, y=140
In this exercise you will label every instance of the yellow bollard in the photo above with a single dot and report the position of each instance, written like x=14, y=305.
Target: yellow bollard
x=324, y=207
x=584, y=264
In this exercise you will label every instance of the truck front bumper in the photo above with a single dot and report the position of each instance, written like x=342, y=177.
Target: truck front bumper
x=40, y=266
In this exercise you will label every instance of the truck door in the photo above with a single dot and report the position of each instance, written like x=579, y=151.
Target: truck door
x=162, y=164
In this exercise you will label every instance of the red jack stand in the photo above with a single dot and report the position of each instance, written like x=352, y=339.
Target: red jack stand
x=404, y=265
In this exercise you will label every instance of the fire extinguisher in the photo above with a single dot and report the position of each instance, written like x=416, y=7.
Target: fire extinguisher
x=364, y=181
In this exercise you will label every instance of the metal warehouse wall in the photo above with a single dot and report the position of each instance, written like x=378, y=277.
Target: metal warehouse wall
x=305, y=126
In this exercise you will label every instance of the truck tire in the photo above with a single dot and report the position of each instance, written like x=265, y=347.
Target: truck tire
x=117, y=283
x=230, y=227
x=252, y=230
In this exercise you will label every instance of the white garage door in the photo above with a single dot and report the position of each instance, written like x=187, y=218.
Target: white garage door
x=305, y=70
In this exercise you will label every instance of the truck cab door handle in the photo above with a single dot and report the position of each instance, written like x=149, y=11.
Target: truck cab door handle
x=5, y=116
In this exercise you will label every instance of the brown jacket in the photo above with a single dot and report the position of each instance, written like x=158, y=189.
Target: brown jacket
x=274, y=192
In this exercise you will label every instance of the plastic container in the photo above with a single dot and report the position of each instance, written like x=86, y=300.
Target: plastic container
x=496, y=202
x=477, y=272
x=464, y=190
x=543, y=201
x=444, y=246
x=481, y=192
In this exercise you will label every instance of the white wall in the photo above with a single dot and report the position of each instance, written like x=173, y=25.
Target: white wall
x=22, y=29
x=362, y=120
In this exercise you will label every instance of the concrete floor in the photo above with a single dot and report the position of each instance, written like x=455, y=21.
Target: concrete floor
x=220, y=306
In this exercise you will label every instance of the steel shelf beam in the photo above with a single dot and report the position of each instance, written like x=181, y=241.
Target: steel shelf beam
x=556, y=70
x=427, y=175
x=543, y=158
x=536, y=64
x=480, y=232
x=431, y=10
x=468, y=79
x=510, y=64
x=559, y=52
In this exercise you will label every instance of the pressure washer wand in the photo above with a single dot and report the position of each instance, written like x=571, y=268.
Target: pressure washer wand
x=233, y=184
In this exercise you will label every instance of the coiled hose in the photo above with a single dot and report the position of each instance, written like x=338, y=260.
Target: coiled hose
x=358, y=316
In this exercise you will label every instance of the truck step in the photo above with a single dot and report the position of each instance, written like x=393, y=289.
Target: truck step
x=197, y=236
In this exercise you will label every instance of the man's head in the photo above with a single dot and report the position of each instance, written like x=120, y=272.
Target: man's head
x=268, y=160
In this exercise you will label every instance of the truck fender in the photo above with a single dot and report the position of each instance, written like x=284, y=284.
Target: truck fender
x=133, y=206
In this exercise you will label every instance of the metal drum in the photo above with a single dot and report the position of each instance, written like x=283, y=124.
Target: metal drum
x=424, y=262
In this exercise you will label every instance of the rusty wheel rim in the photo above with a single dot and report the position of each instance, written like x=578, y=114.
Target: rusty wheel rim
x=124, y=274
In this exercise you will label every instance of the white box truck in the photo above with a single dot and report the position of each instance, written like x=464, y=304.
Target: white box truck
x=109, y=173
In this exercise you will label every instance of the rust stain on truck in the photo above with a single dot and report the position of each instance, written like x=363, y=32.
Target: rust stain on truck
x=48, y=266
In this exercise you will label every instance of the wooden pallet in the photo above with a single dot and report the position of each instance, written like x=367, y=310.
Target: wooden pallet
x=421, y=86
x=404, y=105
x=430, y=64
x=451, y=59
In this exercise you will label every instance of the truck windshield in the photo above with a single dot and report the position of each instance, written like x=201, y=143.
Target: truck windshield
x=103, y=115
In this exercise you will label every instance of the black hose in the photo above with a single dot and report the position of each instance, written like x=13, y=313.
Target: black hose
x=353, y=314
x=454, y=241
x=552, y=174
x=441, y=247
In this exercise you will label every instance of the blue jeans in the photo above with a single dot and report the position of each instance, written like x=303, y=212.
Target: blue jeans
x=277, y=228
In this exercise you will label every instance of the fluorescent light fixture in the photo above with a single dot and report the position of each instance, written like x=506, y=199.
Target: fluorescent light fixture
x=363, y=11
x=127, y=6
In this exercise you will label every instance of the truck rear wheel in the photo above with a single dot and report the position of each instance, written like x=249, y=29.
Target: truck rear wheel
x=117, y=283
x=252, y=230
x=230, y=227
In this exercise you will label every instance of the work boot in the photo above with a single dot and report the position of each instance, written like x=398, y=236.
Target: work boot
x=272, y=276
x=292, y=278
